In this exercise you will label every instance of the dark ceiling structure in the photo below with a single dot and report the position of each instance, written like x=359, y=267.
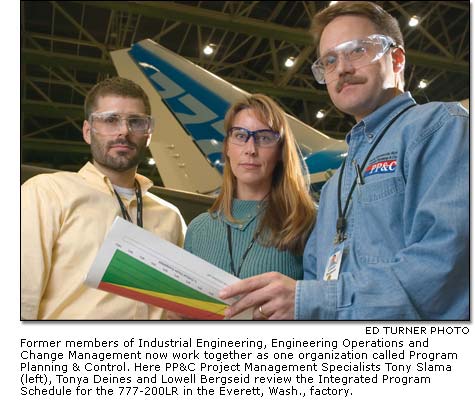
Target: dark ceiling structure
x=65, y=51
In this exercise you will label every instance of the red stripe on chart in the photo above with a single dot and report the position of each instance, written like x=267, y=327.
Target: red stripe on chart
x=188, y=311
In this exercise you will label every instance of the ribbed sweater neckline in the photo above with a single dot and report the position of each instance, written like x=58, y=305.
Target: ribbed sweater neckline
x=245, y=211
x=243, y=208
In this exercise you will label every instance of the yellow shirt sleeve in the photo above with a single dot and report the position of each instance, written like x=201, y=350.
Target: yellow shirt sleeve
x=40, y=225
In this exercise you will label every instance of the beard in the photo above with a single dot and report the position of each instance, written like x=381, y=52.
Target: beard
x=123, y=160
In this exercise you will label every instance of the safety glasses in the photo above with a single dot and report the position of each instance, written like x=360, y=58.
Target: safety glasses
x=359, y=52
x=262, y=138
x=108, y=123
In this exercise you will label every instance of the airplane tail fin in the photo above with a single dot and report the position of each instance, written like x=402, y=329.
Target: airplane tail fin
x=189, y=104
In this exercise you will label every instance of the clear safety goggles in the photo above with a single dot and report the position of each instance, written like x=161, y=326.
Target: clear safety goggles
x=359, y=52
x=262, y=138
x=108, y=123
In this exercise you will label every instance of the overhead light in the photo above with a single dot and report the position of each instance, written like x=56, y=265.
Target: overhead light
x=289, y=62
x=208, y=49
x=151, y=162
x=320, y=114
x=332, y=3
x=423, y=84
x=414, y=21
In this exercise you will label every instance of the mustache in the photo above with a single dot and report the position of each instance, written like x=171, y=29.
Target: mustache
x=349, y=79
x=121, y=142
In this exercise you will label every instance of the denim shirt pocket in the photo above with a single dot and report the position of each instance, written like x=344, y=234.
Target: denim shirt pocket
x=345, y=293
x=379, y=220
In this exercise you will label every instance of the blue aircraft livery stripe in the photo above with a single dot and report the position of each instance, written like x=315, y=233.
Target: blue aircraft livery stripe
x=323, y=161
x=200, y=110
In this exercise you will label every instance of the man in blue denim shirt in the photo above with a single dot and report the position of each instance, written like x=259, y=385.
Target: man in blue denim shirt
x=401, y=247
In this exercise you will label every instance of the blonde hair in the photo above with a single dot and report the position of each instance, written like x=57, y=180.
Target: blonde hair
x=289, y=212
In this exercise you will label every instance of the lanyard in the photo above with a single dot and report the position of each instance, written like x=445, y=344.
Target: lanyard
x=230, y=248
x=125, y=214
x=341, y=221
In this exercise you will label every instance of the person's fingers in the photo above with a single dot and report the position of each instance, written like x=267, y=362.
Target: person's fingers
x=245, y=286
x=251, y=300
x=271, y=287
x=259, y=313
x=279, y=303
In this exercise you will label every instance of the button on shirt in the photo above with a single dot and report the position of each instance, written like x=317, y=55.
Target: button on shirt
x=406, y=253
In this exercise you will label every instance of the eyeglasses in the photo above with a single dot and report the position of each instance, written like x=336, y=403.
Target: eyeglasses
x=108, y=123
x=262, y=138
x=360, y=52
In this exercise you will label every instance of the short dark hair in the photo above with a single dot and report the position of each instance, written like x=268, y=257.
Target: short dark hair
x=384, y=22
x=118, y=86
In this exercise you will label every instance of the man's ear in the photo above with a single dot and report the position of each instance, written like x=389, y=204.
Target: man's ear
x=86, y=131
x=399, y=60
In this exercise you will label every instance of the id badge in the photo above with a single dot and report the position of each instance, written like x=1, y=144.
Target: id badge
x=333, y=265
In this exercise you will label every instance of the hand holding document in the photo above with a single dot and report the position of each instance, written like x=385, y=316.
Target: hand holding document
x=137, y=264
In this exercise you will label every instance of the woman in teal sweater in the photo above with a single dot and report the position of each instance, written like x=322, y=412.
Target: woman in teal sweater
x=263, y=215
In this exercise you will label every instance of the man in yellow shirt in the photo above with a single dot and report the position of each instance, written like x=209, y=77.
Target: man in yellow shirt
x=65, y=216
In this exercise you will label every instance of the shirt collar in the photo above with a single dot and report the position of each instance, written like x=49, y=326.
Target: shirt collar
x=95, y=177
x=374, y=123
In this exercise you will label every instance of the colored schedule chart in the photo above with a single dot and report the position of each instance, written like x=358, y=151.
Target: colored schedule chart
x=137, y=264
